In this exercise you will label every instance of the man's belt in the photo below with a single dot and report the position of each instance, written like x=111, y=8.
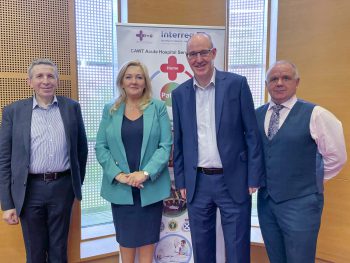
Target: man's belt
x=210, y=171
x=48, y=177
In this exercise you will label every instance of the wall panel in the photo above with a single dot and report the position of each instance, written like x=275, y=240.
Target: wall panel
x=30, y=30
x=181, y=12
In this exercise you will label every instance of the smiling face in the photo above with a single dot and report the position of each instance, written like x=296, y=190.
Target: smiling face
x=44, y=81
x=282, y=82
x=200, y=60
x=134, y=82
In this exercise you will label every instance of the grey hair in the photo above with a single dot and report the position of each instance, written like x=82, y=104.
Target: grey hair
x=42, y=61
x=282, y=62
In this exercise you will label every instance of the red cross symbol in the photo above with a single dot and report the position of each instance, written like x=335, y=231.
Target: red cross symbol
x=172, y=68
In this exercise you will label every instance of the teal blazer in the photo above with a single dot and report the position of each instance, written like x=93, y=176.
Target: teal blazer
x=155, y=154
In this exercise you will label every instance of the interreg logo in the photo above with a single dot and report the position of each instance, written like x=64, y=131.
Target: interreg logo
x=175, y=35
x=141, y=35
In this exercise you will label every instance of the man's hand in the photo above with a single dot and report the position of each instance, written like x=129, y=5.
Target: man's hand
x=252, y=190
x=10, y=217
x=183, y=193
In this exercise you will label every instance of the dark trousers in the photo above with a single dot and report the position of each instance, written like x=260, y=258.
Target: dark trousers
x=290, y=228
x=45, y=219
x=212, y=193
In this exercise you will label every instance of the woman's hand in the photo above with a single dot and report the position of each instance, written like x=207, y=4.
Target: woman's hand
x=122, y=178
x=136, y=179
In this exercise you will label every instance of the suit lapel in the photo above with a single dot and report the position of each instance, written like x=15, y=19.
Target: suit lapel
x=191, y=103
x=64, y=110
x=27, y=120
x=220, y=88
x=148, y=118
x=261, y=119
x=117, y=121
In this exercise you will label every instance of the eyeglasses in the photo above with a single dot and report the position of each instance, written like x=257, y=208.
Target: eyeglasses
x=203, y=53
x=284, y=79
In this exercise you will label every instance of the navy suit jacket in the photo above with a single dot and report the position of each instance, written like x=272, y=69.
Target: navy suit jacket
x=15, y=149
x=238, y=138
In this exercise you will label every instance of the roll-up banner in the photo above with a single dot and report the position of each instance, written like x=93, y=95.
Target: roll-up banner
x=162, y=48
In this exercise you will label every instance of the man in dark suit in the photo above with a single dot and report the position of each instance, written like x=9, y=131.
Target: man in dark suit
x=43, y=154
x=218, y=158
x=304, y=145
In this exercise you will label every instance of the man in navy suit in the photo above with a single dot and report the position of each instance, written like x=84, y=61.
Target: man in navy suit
x=43, y=154
x=304, y=145
x=218, y=161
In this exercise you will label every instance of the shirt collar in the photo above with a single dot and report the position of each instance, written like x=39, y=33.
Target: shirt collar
x=211, y=83
x=36, y=104
x=287, y=104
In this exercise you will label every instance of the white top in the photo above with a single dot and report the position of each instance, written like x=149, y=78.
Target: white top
x=208, y=153
x=325, y=129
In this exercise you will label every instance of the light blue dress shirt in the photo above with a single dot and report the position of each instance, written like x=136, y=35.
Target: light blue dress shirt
x=48, y=145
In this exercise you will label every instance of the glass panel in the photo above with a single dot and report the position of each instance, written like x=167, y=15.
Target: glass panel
x=247, y=47
x=95, y=30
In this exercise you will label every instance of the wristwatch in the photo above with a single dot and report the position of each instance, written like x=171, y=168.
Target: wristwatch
x=146, y=174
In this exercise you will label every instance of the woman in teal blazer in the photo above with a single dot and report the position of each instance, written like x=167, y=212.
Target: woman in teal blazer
x=133, y=146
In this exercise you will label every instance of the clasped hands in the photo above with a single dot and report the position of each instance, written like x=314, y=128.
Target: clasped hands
x=134, y=179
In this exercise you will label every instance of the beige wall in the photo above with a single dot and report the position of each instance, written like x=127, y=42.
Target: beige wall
x=314, y=34
x=180, y=12
x=11, y=244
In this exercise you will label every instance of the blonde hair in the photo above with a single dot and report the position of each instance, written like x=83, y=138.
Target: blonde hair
x=147, y=92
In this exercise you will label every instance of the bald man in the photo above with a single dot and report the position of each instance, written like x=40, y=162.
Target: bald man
x=218, y=160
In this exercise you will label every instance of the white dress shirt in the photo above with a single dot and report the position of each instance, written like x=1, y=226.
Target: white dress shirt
x=325, y=129
x=208, y=153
